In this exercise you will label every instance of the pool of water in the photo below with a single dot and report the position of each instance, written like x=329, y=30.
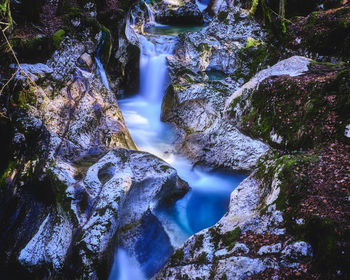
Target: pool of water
x=214, y=75
x=172, y=30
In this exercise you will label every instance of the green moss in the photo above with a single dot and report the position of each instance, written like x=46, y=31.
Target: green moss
x=254, y=7
x=25, y=98
x=57, y=38
x=58, y=187
x=251, y=42
x=215, y=235
x=177, y=257
x=128, y=227
x=198, y=243
x=3, y=179
x=229, y=238
x=251, y=58
x=203, y=47
x=106, y=48
x=202, y=259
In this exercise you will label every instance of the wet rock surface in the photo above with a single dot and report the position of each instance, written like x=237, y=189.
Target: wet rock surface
x=193, y=104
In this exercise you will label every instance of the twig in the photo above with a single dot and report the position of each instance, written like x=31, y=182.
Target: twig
x=13, y=75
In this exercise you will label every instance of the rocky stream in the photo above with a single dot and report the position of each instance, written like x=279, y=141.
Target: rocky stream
x=175, y=139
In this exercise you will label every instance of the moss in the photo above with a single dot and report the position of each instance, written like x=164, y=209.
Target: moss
x=251, y=58
x=198, y=243
x=303, y=112
x=202, y=259
x=251, y=42
x=106, y=47
x=177, y=257
x=321, y=234
x=292, y=187
x=58, y=187
x=222, y=15
x=215, y=235
x=4, y=177
x=25, y=98
x=128, y=227
x=254, y=7
x=57, y=38
x=203, y=47
x=229, y=238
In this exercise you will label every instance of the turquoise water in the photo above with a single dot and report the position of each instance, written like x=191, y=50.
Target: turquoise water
x=171, y=30
x=206, y=202
x=215, y=75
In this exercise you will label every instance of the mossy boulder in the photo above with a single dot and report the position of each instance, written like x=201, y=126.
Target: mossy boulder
x=326, y=33
x=297, y=112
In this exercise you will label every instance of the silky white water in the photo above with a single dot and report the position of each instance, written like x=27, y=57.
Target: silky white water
x=208, y=199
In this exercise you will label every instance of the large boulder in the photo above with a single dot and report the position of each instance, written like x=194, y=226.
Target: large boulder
x=313, y=93
x=322, y=34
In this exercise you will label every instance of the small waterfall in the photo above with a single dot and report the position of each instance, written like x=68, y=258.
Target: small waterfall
x=202, y=4
x=100, y=69
x=125, y=268
x=209, y=197
x=151, y=17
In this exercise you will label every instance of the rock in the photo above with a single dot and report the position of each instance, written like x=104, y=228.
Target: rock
x=239, y=267
x=270, y=249
x=223, y=145
x=194, y=105
x=293, y=66
x=33, y=71
x=187, y=14
x=123, y=185
x=240, y=248
x=347, y=131
x=253, y=110
x=62, y=125
x=121, y=188
x=243, y=216
x=297, y=251
x=319, y=34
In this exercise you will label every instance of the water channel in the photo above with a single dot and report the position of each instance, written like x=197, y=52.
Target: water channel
x=208, y=199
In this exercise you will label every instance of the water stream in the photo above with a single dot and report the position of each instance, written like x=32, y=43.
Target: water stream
x=208, y=199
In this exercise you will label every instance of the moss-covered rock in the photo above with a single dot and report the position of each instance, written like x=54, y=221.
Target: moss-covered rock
x=298, y=112
x=326, y=33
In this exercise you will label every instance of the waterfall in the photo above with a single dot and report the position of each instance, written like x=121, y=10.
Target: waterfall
x=125, y=268
x=151, y=18
x=100, y=69
x=209, y=197
x=202, y=5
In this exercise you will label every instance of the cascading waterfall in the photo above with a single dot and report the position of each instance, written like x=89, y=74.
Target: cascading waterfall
x=100, y=69
x=151, y=18
x=209, y=197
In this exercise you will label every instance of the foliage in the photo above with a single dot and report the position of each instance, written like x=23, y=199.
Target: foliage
x=5, y=15
x=57, y=38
